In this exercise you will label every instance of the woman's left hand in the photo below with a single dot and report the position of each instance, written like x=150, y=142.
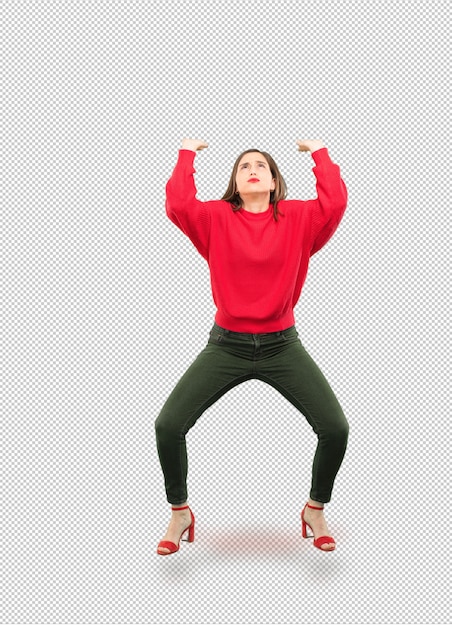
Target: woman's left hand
x=310, y=145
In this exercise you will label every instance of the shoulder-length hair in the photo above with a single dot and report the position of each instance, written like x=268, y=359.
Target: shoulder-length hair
x=279, y=193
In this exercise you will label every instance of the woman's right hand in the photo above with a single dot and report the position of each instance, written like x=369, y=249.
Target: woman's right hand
x=193, y=144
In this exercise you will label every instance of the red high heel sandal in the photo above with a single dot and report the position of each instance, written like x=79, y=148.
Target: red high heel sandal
x=320, y=540
x=191, y=535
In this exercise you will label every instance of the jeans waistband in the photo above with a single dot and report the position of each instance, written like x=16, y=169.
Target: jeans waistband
x=225, y=331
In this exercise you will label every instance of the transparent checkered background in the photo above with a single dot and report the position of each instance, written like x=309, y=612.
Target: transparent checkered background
x=105, y=304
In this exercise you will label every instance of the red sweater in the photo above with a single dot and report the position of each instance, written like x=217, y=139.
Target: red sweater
x=257, y=266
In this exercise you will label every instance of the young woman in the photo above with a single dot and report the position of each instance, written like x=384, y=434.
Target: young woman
x=258, y=246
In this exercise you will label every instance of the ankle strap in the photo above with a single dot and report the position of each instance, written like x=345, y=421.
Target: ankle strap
x=181, y=508
x=317, y=508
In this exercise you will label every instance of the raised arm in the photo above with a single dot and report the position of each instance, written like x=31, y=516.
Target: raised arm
x=329, y=206
x=182, y=207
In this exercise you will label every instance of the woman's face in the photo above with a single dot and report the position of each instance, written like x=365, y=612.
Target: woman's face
x=254, y=175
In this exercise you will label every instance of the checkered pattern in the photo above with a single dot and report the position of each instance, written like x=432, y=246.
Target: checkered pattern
x=105, y=303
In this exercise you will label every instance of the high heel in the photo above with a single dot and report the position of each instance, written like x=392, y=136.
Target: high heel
x=191, y=534
x=320, y=540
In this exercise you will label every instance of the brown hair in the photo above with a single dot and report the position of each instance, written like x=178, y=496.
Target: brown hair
x=279, y=193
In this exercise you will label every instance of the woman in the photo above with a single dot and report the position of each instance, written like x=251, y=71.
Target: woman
x=257, y=245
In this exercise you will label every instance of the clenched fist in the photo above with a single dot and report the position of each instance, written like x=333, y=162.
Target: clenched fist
x=193, y=144
x=310, y=145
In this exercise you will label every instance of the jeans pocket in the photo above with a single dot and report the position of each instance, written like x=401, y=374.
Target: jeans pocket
x=290, y=334
x=215, y=337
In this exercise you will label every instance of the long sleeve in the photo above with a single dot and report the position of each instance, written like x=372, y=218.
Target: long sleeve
x=329, y=206
x=183, y=208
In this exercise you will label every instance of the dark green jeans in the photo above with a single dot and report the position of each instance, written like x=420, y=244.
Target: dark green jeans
x=231, y=358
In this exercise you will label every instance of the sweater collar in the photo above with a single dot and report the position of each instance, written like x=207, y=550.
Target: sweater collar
x=257, y=216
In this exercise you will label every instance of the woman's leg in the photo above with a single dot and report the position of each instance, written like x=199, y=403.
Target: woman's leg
x=211, y=375
x=293, y=372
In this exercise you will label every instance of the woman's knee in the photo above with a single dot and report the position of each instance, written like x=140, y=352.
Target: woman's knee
x=343, y=431
x=165, y=427
x=337, y=432
x=171, y=424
